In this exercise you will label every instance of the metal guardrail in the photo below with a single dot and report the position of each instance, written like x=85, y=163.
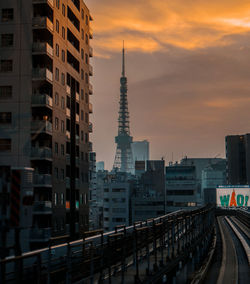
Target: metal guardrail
x=96, y=256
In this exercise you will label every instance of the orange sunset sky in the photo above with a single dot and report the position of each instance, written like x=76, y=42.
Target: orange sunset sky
x=188, y=69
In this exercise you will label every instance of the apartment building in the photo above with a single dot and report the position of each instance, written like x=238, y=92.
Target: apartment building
x=45, y=104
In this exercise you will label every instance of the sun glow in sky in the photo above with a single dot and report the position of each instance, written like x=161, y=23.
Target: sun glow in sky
x=188, y=69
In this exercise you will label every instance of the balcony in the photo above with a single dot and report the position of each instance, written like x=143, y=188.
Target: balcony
x=38, y=100
x=42, y=23
x=67, y=134
x=42, y=207
x=50, y=2
x=90, y=51
x=40, y=234
x=90, y=89
x=90, y=70
x=77, y=117
x=41, y=126
x=90, y=33
x=42, y=180
x=41, y=48
x=90, y=108
x=42, y=74
x=68, y=89
x=77, y=97
x=41, y=153
x=90, y=127
x=68, y=112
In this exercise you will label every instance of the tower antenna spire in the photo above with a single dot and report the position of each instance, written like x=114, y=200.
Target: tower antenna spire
x=123, y=61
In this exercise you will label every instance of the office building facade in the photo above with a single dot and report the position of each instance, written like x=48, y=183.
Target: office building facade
x=44, y=108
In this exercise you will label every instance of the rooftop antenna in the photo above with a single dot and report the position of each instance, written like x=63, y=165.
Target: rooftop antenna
x=123, y=59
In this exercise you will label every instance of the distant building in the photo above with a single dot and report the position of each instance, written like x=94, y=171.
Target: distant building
x=116, y=200
x=154, y=177
x=212, y=176
x=183, y=183
x=140, y=167
x=100, y=166
x=238, y=159
x=140, y=150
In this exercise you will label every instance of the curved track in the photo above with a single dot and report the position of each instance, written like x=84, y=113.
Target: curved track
x=232, y=257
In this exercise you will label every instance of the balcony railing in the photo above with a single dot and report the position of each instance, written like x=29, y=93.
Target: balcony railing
x=42, y=22
x=90, y=108
x=51, y=2
x=42, y=180
x=41, y=100
x=90, y=33
x=41, y=153
x=77, y=117
x=90, y=127
x=42, y=74
x=90, y=70
x=90, y=89
x=39, y=126
x=40, y=234
x=90, y=51
x=42, y=47
x=42, y=207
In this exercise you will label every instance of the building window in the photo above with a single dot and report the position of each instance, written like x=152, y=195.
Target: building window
x=63, y=55
x=62, y=174
x=57, y=74
x=56, y=147
x=82, y=115
x=82, y=74
x=86, y=117
x=63, y=10
x=82, y=53
x=5, y=145
x=82, y=14
x=82, y=156
x=82, y=94
x=5, y=92
x=87, y=39
x=57, y=50
x=86, y=78
x=86, y=138
x=7, y=15
x=62, y=102
x=58, y=4
x=62, y=149
x=62, y=126
x=87, y=20
x=6, y=65
x=63, y=79
x=5, y=117
x=62, y=198
x=86, y=98
x=63, y=32
x=6, y=40
x=82, y=34
x=57, y=26
x=86, y=58
x=56, y=99
x=56, y=195
x=82, y=135
x=56, y=123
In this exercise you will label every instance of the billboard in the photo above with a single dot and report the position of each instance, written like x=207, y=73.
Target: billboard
x=233, y=196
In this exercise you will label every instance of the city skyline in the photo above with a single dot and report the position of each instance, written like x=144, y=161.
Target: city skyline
x=169, y=103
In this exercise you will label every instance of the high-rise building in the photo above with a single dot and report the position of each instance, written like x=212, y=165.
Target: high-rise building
x=44, y=110
x=123, y=157
x=140, y=150
x=238, y=159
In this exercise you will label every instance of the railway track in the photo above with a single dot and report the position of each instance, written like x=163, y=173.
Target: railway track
x=232, y=255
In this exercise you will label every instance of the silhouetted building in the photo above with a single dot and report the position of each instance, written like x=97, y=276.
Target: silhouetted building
x=238, y=159
x=44, y=108
x=140, y=150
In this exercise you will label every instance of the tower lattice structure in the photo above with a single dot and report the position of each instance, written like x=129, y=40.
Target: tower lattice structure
x=123, y=157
